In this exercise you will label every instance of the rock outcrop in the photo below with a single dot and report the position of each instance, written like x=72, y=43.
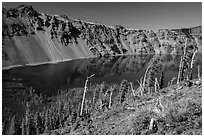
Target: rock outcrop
x=32, y=37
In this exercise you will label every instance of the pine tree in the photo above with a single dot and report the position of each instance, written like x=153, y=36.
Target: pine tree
x=123, y=90
x=11, y=130
x=23, y=126
x=161, y=80
x=36, y=123
x=27, y=119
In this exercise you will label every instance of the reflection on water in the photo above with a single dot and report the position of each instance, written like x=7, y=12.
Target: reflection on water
x=48, y=78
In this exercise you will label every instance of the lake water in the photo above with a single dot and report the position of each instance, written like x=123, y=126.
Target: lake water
x=48, y=78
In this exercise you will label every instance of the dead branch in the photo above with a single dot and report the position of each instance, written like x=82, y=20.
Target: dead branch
x=191, y=67
x=85, y=90
x=110, y=98
x=143, y=84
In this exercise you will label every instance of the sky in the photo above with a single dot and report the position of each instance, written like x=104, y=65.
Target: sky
x=155, y=15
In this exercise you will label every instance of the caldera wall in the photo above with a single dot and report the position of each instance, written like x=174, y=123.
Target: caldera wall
x=32, y=37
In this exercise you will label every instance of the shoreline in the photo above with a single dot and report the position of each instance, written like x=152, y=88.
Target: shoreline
x=58, y=61
x=64, y=60
x=42, y=63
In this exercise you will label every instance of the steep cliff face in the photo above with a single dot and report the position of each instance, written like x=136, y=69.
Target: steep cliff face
x=32, y=37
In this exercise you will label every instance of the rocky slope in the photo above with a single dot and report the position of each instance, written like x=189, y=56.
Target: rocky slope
x=31, y=37
x=175, y=110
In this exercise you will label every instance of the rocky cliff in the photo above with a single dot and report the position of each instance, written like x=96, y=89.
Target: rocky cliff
x=31, y=37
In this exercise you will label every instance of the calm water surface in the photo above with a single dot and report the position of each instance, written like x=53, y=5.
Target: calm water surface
x=48, y=78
